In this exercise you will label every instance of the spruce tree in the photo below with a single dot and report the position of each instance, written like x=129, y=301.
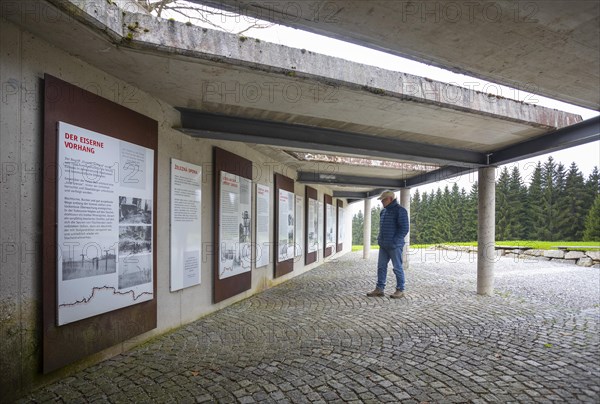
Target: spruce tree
x=536, y=219
x=471, y=213
x=463, y=213
x=561, y=208
x=358, y=223
x=549, y=200
x=503, y=210
x=592, y=222
x=415, y=218
x=518, y=199
x=375, y=213
x=592, y=188
x=575, y=205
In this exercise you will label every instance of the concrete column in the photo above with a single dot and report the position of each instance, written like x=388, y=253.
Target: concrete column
x=405, y=202
x=486, y=230
x=367, y=229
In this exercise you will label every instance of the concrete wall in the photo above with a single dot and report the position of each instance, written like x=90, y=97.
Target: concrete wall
x=24, y=58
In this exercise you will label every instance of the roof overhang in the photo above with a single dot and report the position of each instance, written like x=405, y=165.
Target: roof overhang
x=278, y=99
x=545, y=47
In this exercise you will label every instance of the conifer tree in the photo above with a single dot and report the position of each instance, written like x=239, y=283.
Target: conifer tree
x=463, y=231
x=503, y=210
x=415, y=217
x=358, y=223
x=518, y=199
x=471, y=213
x=561, y=207
x=375, y=213
x=535, y=218
x=592, y=188
x=592, y=222
x=575, y=205
x=549, y=200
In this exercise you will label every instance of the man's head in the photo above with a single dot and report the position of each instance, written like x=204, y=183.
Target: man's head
x=387, y=197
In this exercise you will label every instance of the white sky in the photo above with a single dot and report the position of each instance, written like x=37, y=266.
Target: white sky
x=586, y=156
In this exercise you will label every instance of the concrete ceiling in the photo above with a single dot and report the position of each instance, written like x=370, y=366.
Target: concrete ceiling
x=281, y=99
x=548, y=47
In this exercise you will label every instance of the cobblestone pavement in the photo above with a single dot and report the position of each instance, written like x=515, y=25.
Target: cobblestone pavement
x=318, y=338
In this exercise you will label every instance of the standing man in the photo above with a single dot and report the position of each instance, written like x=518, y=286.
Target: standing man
x=393, y=227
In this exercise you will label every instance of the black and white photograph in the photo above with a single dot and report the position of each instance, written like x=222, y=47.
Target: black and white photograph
x=92, y=260
x=135, y=270
x=135, y=240
x=135, y=210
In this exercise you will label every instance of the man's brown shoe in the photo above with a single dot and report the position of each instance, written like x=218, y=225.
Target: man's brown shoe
x=376, y=293
x=398, y=294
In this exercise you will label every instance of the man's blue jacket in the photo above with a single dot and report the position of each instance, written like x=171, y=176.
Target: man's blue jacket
x=393, y=226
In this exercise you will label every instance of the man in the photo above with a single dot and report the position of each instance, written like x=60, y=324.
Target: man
x=393, y=227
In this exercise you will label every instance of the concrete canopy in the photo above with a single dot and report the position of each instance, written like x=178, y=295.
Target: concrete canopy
x=546, y=47
x=279, y=99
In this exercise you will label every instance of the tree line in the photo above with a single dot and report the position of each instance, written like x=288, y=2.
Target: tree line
x=556, y=204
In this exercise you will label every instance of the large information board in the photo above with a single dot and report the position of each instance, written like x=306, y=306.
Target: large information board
x=98, y=224
x=104, y=227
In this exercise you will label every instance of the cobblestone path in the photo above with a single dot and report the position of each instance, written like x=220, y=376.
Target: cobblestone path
x=318, y=338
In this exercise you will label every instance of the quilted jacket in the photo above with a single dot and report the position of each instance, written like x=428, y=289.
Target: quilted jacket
x=393, y=225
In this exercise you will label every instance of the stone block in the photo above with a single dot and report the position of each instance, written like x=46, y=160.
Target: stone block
x=574, y=255
x=534, y=252
x=554, y=253
x=595, y=255
x=585, y=262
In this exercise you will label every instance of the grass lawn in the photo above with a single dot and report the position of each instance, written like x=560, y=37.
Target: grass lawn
x=538, y=245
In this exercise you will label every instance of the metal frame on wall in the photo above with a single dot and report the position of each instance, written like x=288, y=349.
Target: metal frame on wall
x=64, y=102
x=339, y=242
x=233, y=164
x=328, y=200
x=287, y=266
x=310, y=193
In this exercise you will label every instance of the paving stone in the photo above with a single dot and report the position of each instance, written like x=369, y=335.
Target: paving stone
x=317, y=338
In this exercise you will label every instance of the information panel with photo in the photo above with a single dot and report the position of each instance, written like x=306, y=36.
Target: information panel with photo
x=234, y=225
x=298, y=228
x=286, y=226
x=313, y=228
x=104, y=229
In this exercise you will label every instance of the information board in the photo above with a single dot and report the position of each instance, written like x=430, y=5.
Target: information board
x=186, y=229
x=104, y=223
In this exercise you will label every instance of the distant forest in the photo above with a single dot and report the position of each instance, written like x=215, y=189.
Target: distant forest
x=557, y=204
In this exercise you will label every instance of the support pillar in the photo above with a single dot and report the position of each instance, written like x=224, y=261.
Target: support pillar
x=367, y=229
x=405, y=203
x=486, y=230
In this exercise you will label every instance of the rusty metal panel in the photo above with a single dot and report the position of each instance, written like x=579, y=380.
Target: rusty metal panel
x=75, y=341
x=339, y=242
x=311, y=193
x=234, y=164
x=327, y=251
x=287, y=266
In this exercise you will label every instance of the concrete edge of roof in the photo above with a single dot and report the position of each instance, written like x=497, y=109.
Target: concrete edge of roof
x=171, y=38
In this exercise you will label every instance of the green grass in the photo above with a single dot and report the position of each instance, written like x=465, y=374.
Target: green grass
x=537, y=245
